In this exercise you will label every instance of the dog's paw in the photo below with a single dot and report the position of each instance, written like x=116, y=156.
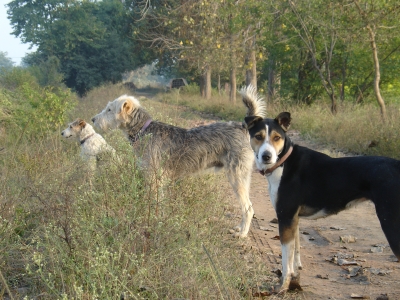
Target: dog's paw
x=239, y=235
x=295, y=284
x=237, y=228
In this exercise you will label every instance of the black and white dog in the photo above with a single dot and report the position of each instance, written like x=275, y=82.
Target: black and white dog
x=304, y=183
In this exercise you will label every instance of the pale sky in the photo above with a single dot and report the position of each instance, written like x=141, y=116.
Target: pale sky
x=9, y=43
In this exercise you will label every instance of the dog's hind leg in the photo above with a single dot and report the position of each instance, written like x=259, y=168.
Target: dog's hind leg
x=297, y=260
x=240, y=182
x=389, y=216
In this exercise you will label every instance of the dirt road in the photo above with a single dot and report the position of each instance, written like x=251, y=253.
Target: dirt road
x=332, y=268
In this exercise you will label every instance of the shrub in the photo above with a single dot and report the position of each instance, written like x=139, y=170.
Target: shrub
x=29, y=109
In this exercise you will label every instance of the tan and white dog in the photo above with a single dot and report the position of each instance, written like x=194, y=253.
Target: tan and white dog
x=92, y=144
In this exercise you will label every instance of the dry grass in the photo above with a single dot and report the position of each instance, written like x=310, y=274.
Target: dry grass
x=65, y=237
x=356, y=128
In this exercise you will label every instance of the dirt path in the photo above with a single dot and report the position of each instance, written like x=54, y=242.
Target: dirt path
x=373, y=270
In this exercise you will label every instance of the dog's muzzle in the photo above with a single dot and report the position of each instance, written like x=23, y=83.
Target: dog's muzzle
x=266, y=157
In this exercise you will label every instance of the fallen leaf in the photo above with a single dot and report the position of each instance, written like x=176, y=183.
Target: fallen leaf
x=261, y=294
x=381, y=272
x=276, y=237
x=326, y=276
x=348, y=239
x=343, y=262
x=377, y=249
x=382, y=297
x=265, y=228
x=353, y=271
x=337, y=228
x=358, y=296
x=305, y=232
x=277, y=272
x=380, y=245
x=274, y=220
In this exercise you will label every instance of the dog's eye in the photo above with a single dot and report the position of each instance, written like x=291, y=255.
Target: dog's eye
x=258, y=137
x=70, y=126
x=109, y=109
x=277, y=138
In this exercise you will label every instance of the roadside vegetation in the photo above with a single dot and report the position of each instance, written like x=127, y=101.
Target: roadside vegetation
x=357, y=129
x=65, y=235
x=334, y=65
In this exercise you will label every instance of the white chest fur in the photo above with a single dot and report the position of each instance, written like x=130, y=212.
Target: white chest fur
x=273, y=185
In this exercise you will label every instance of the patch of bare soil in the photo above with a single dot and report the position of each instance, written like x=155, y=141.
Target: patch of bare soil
x=345, y=256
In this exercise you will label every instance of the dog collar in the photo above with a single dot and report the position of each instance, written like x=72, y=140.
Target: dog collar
x=86, y=138
x=139, y=134
x=278, y=163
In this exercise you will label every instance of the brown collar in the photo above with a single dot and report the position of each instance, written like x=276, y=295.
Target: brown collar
x=86, y=138
x=279, y=163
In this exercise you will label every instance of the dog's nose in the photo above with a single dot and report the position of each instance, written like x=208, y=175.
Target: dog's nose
x=266, y=157
x=93, y=119
x=62, y=133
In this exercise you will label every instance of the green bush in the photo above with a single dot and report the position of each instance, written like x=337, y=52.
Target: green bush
x=28, y=108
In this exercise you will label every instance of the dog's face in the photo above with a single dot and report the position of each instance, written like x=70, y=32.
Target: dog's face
x=267, y=138
x=74, y=129
x=117, y=113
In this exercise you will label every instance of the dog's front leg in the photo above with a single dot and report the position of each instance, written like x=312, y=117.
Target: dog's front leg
x=289, y=237
x=287, y=264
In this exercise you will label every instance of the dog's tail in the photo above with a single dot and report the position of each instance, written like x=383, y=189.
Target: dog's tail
x=255, y=104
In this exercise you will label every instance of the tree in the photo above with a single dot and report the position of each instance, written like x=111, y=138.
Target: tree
x=309, y=28
x=209, y=35
x=5, y=62
x=88, y=38
x=373, y=16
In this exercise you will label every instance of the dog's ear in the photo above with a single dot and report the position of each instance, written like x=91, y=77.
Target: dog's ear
x=81, y=123
x=284, y=120
x=249, y=122
x=127, y=106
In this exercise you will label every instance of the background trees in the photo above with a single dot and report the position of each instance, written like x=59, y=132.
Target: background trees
x=5, y=61
x=89, y=38
x=298, y=50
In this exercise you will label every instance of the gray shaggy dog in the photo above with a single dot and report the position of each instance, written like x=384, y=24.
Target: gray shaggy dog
x=181, y=152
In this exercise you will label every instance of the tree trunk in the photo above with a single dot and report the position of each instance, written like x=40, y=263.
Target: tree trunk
x=271, y=80
x=219, y=84
x=342, y=91
x=333, y=103
x=377, y=77
x=202, y=86
x=232, y=92
x=207, y=82
x=251, y=63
